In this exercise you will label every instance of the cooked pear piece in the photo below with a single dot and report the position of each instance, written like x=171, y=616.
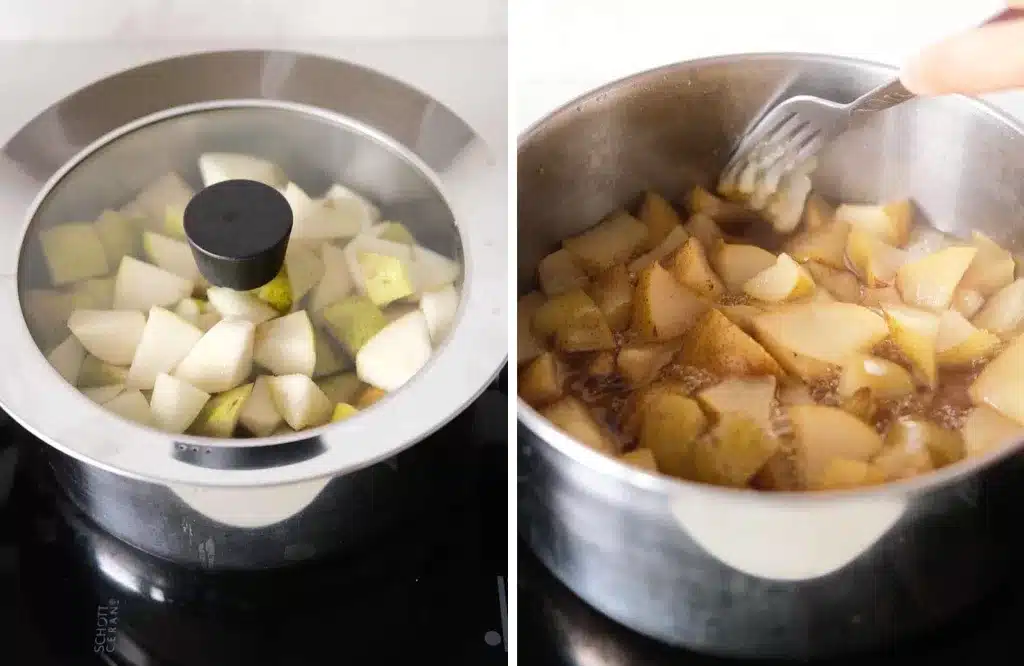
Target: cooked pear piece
x=670, y=244
x=342, y=412
x=222, y=359
x=341, y=388
x=1003, y=313
x=749, y=397
x=132, y=406
x=842, y=474
x=218, y=167
x=299, y=401
x=575, y=321
x=702, y=202
x=190, y=309
x=915, y=446
x=287, y=345
x=95, y=372
x=259, y=414
x=277, y=293
x=804, y=367
x=353, y=321
x=574, y=419
x=960, y=343
x=558, y=273
x=640, y=458
x=929, y=282
x=736, y=263
x=967, y=302
x=393, y=356
x=669, y=424
x=875, y=262
x=439, y=307
x=889, y=222
x=219, y=417
x=339, y=193
x=987, y=430
x=542, y=380
x=992, y=267
x=110, y=335
x=741, y=315
x=73, y=252
x=786, y=280
x=337, y=281
x=385, y=278
x=369, y=396
x=662, y=308
x=690, y=267
x=166, y=341
x=826, y=245
x=528, y=347
x=602, y=364
x=613, y=294
x=304, y=267
x=704, y=229
x=827, y=332
x=1001, y=384
x=208, y=320
x=328, y=361
x=175, y=404
x=817, y=212
x=117, y=233
x=395, y=232
x=640, y=363
x=140, y=286
x=659, y=216
x=722, y=348
x=432, y=271
x=171, y=255
x=822, y=434
x=877, y=297
x=167, y=191
x=103, y=394
x=785, y=207
x=94, y=294
x=915, y=333
x=614, y=241
x=239, y=305
x=733, y=452
x=302, y=206
x=67, y=358
x=843, y=285
x=884, y=379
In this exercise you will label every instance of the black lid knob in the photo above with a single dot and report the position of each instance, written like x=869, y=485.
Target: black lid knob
x=238, y=230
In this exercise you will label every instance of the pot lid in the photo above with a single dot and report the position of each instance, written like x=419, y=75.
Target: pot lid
x=247, y=290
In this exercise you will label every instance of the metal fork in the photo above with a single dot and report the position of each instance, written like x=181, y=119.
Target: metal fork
x=791, y=134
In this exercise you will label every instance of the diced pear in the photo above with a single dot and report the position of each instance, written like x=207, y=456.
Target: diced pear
x=1001, y=384
x=395, y=232
x=385, y=278
x=541, y=381
x=47, y=312
x=639, y=363
x=660, y=218
x=140, y=286
x=259, y=413
x=67, y=358
x=218, y=167
x=558, y=273
x=721, y=347
x=337, y=280
x=395, y=354
x=175, y=404
x=827, y=332
x=343, y=411
x=528, y=347
x=431, y=271
x=189, y=309
x=95, y=372
x=987, y=430
x=925, y=240
x=103, y=394
x=117, y=234
x=915, y=333
x=960, y=343
x=439, y=308
x=663, y=308
x=287, y=345
x=94, y=294
x=734, y=451
x=613, y=241
x=690, y=267
x=795, y=393
x=669, y=425
x=166, y=191
x=737, y=263
x=889, y=222
x=171, y=255
x=741, y=315
x=817, y=212
x=166, y=341
x=786, y=280
x=239, y=305
x=842, y=474
x=327, y=219
x=131, y=405
x=208, y=320
x=219, y=417
x=574, y=419
x=876, y=297
x=670, y=244
x=640, y=458
x=173, y=222
x=73, y=252
x=843, y=285
x=602, y=364
x=749, y=397
x=328, y=361
x=299, y=401
x=826, y=245
x=575, y=322
x=304, y=267
x=612, y=292
x=110, y=335
x=354, y=321
x=874, y=261
x=340, y=192
x=822, y=434
x=222, y=359
x=967, y=302
x=992, y=268
x=886, y=380
x=701, y=201
x=929, y=282
x=345, y=387
x=704, y=229
x=804, y=367
x=1003, y=313
x=301, y=204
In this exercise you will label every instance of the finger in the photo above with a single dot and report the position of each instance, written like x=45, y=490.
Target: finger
x=986, y=59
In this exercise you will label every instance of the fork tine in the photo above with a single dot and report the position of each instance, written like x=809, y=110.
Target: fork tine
x=775, y=119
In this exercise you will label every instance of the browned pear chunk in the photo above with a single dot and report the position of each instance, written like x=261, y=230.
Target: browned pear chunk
x=826, y=245
x=889, y=222
x=642, y=458
x=602, y=364
x=721, y=347
x=690, y=267
x=843, y=474
x=575, y=321
x=986, y=430
x=817, y=212
x=1001, y=384
x=662, y=308
x=967, y=302
x=542, y=380
x=751, y=397
x=840, y=283
x=733, y=452
x=822, y=434
x=736, y=263
x=614, y=241
x=670, y=244
x=558, y=273
x=704, y=229
x=660, y=218
x=574, y=419
x=929, y=282
x=914, y=332
x=669, y=425
x=640, y=363
x=528, y=347
x=742, y=315
x=827, y=332
x=613, y=294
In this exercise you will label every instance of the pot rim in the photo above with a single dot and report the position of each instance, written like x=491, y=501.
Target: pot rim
x=472, y=185
x=669, y=486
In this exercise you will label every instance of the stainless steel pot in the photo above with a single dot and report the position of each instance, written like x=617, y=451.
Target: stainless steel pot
x=737, y=572
x=258, y=502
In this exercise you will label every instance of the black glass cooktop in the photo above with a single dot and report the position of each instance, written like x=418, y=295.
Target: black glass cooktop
x=71, y=594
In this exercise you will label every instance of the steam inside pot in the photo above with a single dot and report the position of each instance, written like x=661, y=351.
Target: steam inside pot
x=775, y=341
x=357, y=310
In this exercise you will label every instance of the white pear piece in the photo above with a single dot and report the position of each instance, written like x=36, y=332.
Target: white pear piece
x=222, y=359
x=94, y=294
x=118, y=234
x=930, y=281
x=220, y=415
x=986, y=430
x=95, y=372
x=1003, y=313
x=103, y=394
x=109, y=335
x=166, y=340
x=960, y=343
x=207, y=320
x=66, y=358
x=1001, y=384
x=218, y=167
x=175, y=404
x=167, y=191
x=132, y=406
x=340, y=218
x=259, y=414
x=915, y=333
x=304, y=267
x=338, y=192
x=368, y=242
x=432, y=271
x=140, y=286
x=337, y=280
x=171, y=255
x=801, y=329
x=301, y=203
x=73, y=252
x=239, y=305
x=439, y=309
x=286, y=346
x=300, y=401
x=396, y=353
x=47, y=311
x=189, y=309
x=328, y=361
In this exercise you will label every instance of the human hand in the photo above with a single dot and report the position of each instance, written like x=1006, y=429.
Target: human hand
x=986, y=59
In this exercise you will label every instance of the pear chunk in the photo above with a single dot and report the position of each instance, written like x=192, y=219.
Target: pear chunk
x=304, y=267
x=239, y=305
x=967, y=302
x=1001, y=384
x=47, y=311
x=669, y=425
x=875, y=262
x=218, y=167
x=110, y=335
x=354, y=321
x=748, y=397
x=219, y=417
x=439, y=308
x=992, y=268
x=886, y=380
x=338, y=192
x=171, y=255
x=103, y=394
x=94, y=294
x=822, y=434
x=889, y=223
x=431, y=271
x=95, y=372
x=786, y=280
x=733, y=452
x=915, y=332
x=960, y=343
x=690, y=267
x=277, y=293
x=558, y=273
x=659, y=216
x=929, y=282
x=189, y=309
x=222, y=359
x=132, y=406
x=1003, y=314
x=736, y=264
x=140, y=286
x=841, y=284
x=705, y=230
x=286, y=346
x=395, y=354
x=117, y=233
x=801, y=329
x=341, y=388
x=328, y=362
x=169, y=191
x=299, y=401
x=662, y=308
x=73, y=252
x=259, y=414
x=614, y=241
x=175, y=404
x=337, y=280
x=721, y=347
x=385, y=278
x=67, y=358
x=343, y=411
x=327, y=219
x=826, y=245
x=166, y=340
x=574, y=419
x=986, y=430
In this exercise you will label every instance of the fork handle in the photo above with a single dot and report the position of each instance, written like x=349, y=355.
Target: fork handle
x=890, y=94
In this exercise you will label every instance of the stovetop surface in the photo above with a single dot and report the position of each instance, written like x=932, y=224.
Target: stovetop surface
x=72, y=595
